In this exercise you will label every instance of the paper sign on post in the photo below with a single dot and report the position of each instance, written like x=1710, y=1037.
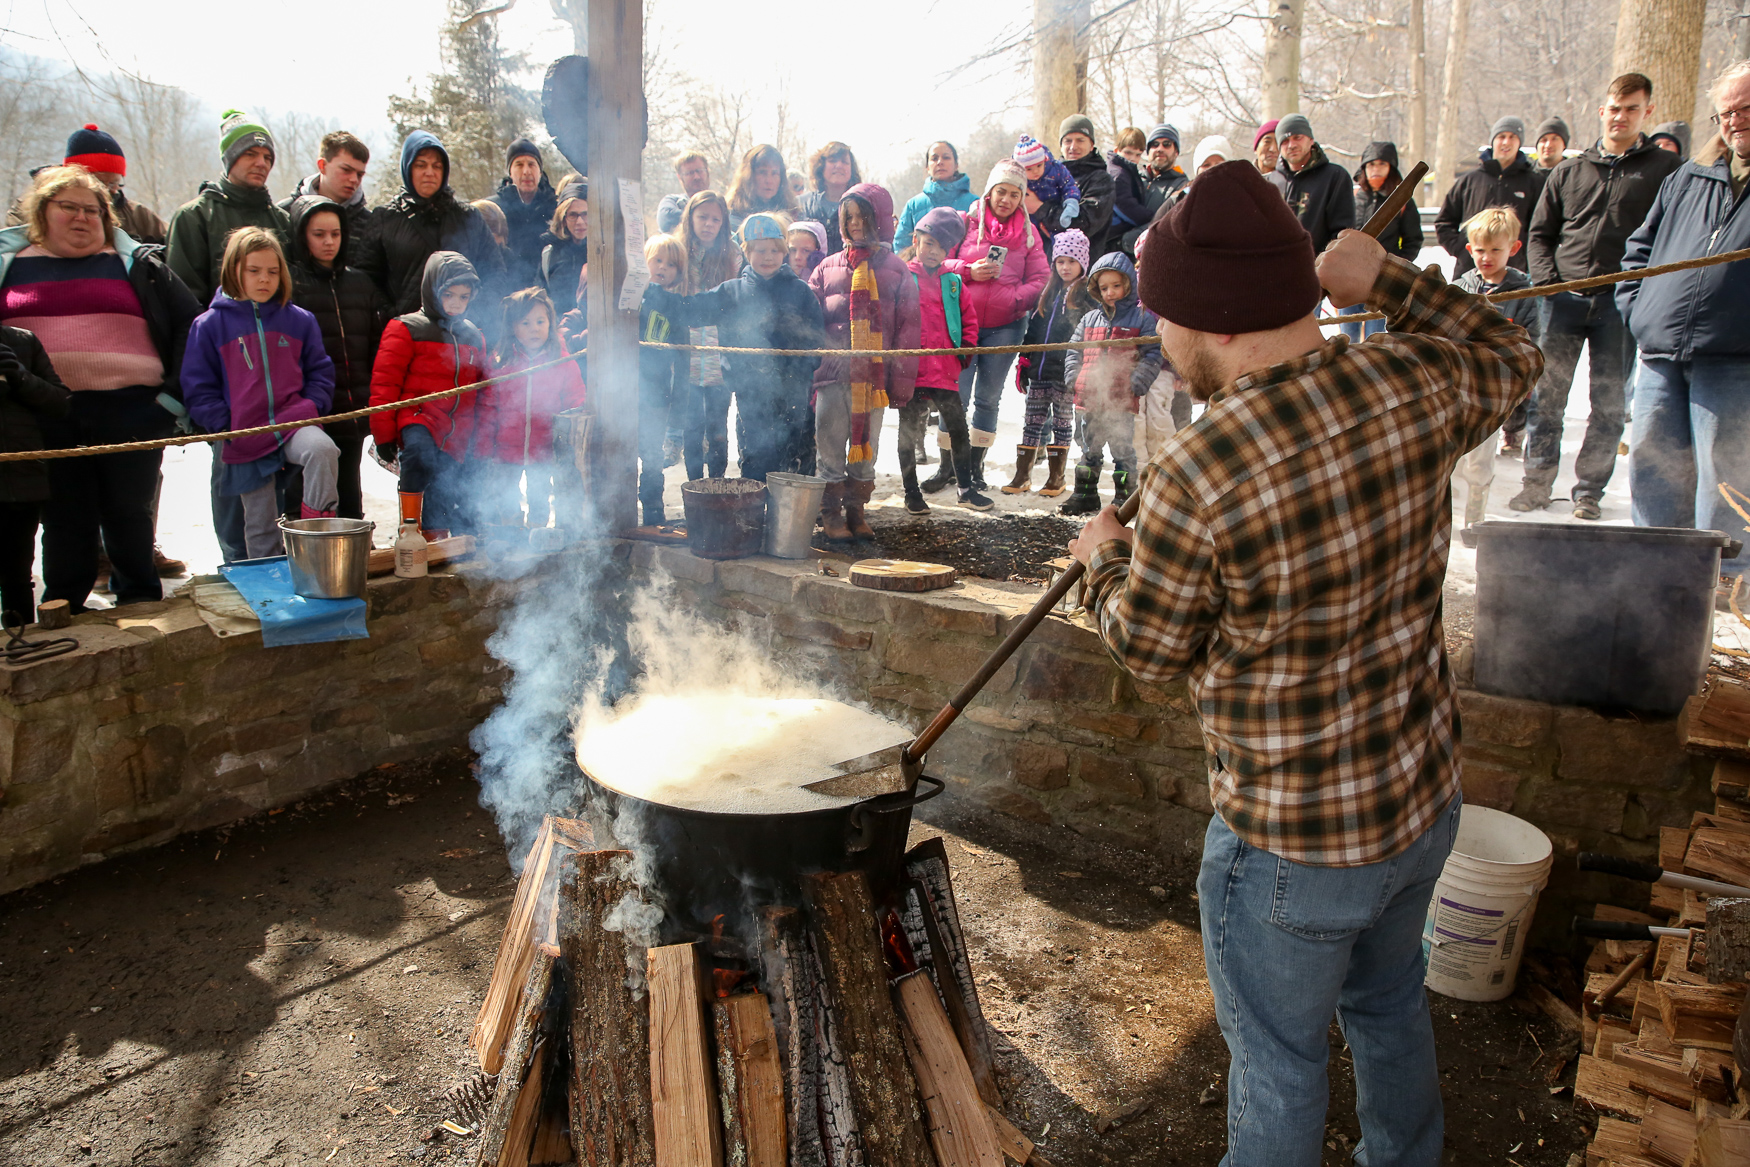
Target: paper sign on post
x=637, y=273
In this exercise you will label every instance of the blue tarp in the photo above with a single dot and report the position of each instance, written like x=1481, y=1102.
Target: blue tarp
x=286, y=617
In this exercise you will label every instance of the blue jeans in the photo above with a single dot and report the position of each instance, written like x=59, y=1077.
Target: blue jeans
x=1691, y=433
x=1575, y=321
x=981, y=382
x=1365, y=328
x=427, y=470
x=1287, y=945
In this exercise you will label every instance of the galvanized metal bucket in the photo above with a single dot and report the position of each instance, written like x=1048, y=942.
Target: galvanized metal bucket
x=329, y=558
x=792, y=506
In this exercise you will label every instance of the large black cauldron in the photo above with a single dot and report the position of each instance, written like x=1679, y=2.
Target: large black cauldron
x=708, y=865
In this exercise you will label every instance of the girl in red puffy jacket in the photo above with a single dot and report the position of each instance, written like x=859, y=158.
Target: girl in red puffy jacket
x=517, y=411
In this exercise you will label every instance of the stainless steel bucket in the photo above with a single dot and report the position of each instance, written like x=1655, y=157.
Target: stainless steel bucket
x=328, y=558
x=792, y=506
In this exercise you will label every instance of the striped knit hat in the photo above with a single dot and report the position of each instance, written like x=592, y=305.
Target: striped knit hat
x=240, y=132
x=95, y=151
x=1030, y=151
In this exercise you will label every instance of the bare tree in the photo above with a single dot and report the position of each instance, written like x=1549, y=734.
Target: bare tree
x=1662, y=38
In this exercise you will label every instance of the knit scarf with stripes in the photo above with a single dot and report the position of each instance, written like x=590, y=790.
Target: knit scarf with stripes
x=868, y=373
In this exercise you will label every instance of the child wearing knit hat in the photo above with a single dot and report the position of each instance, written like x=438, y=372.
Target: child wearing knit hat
x=1050, y=398
x=1049, y=181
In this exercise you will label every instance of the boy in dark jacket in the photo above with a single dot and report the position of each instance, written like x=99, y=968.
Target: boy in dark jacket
x=1494, y=241
x=29, y=392
x=423, y=352
x=1109, y=381
x=351, y=311
x=765, y=306
x=1375, y=180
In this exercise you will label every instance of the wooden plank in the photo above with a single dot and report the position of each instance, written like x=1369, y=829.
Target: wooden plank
x=1656, y=1074
x=1673, y=953
x=1717, y=722
x=1722, y=1142
x=1655, y=1038
x=1673, y=845
x=1732, y=779
x=506, y=1134
x=1607, y=1087
x=1731, y=810
x=1712, y=1073
x=611, y=1123
x=974, y=1038
x=1665, y=899
x=1622, y=1001
x=960, y=1130
x=1611, y=1033
x=552, y=1140
x=900, y=575
x=1617, y=1144
x=492, y=1026
x=381, y=562
x=927, y=865
x=750, y=1082
x=683, y=1090
x=1016, y=1146
x=884, y=1101
x=1667, y=1133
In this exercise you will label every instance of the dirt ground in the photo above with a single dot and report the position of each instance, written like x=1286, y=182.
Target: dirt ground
x=299, y=989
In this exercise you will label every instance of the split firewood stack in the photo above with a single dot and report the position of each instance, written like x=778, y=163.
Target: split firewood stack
x=847, y=1033
x=1664, y=1040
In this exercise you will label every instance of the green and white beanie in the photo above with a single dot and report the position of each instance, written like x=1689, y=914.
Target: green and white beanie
x=240, y=132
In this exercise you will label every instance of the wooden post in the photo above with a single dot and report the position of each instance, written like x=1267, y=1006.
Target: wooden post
x=750, y=1082
x=683, y=1095
x=960, y=1128
x=616, y=145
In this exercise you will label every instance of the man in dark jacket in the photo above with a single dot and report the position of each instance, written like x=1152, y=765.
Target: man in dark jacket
x=425, y=218
x=1692, y=394
x=1075, y=138
x=1506, y=178
x=1552, y=143
x=351, y=311
x=1162, y=178
x=1318, y=189
x=340, y=178
x=528, y=201
x=1375, y=180
x=1590, y=206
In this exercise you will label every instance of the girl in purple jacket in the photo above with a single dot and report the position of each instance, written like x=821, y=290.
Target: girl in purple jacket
x=254, y=358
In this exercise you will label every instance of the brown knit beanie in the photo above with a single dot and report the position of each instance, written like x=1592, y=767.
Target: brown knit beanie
x=1231, y=257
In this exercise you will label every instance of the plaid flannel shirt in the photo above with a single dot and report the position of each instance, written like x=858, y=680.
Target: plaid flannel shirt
x=1289, y=554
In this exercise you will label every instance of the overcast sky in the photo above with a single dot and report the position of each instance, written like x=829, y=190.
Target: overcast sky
x=869, y=75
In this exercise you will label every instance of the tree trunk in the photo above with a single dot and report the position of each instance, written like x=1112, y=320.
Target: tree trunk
x=1662, y=38
x=1418, y=135
x=1446, y=148
x=1060, y=64
x=1282, y=59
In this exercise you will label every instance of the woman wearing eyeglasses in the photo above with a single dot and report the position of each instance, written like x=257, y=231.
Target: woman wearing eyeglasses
x=113, y=319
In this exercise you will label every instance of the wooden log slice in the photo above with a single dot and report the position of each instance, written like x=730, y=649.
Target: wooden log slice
x=901, y=575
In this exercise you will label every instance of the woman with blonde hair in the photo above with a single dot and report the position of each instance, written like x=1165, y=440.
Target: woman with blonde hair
x=833, y=171
x=760, y=187
x=255, y=358
x=112, y=317
x=565, y=246
x=711, y=259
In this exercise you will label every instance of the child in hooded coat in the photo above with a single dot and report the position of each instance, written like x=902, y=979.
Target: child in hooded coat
x=870, y=301
x=947, y=319
x=1050, y=418
x=516, y=412
x=1109, y=381
x=767, y=307
x=427, y=351
x=662, y=375
x=255, y=358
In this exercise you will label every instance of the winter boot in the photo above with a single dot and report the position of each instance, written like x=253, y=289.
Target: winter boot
x=1121, y=480
x=977, y=483
x=908, y=475
x=942, y=478
x=857, y=493
x=972, y=498
x=1476, y=507
x=1534, y=497
x=832, y=513
x=1055, y=457
x=1025, y=456
x=654, y=515
x=1086, y=499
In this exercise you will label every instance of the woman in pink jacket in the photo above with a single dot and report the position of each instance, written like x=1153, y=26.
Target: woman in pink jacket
x=1002, y=291
x=870, y=301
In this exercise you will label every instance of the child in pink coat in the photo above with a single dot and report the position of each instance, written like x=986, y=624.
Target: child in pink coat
x=947, y=319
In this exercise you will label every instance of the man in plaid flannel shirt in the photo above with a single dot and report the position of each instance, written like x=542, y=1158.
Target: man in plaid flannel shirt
x=1289, y=555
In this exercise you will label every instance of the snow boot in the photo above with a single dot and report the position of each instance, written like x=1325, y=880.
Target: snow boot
x=1086, y=499
x=857, y=495
x=832, y=513
x=1055, y=458
x=1121, y=480
x=908, y=475
x=1025, y=456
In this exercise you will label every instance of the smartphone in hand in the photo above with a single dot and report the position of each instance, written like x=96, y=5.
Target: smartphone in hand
x=998, y=254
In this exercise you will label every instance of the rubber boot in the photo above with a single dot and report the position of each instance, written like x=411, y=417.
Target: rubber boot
x=1022, y=483
x=944, y=475
x=1055, y=458
x=832, y=513
x=857, y=494
x=654, y=515
x=1476, y=507
x=1086, y=499
x=908, y=474
x=1121, y=480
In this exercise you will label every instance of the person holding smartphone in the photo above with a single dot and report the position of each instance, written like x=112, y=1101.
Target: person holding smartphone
x=1007, y=271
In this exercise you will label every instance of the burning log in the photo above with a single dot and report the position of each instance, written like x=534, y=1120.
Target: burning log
x=683, y=1094
x=883, y=1090
x=508, y=1134
x=750, y=1082
x=960, y=1131
x=788, y=971
x=927, y=865
x=611, y=1121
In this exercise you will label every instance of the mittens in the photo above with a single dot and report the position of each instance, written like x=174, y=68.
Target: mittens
x=1071, y=208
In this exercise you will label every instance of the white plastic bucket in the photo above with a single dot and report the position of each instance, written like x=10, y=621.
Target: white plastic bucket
x=1483, y=903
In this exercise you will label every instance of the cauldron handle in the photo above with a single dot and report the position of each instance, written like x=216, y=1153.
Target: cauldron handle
x=861, y=834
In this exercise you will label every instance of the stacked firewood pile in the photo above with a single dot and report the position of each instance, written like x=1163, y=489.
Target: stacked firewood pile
x=1659, y=1018
x=844, y=1033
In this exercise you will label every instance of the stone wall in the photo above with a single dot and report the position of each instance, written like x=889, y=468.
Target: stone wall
x=155, y=725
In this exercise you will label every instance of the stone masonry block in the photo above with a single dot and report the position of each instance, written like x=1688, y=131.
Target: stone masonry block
x=774, y=579
x=842, y=600
x=1119, y=725
x=394, y=596
x=985, y=715
x=139, y=771
x=1591, y=808
x=1489, y=785
x=940, y=612
x=820, y=632
x=33, y=751
x=677, y=562
x=1013, y=802
x=1176, y=696
x=1620, y=751
x=1503, y=721
x=905, y=695
x=105, y=655
x=1053, y=676
x=1114, y=777
x=1041, y=767
x=947, y=661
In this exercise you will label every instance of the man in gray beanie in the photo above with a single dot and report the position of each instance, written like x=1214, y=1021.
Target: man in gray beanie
x=1505, y=178
x=1319, y=191
x=1551, y=142
x=1075, y=139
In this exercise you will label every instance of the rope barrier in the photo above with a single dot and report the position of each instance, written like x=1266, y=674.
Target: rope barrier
x=1122, y=342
